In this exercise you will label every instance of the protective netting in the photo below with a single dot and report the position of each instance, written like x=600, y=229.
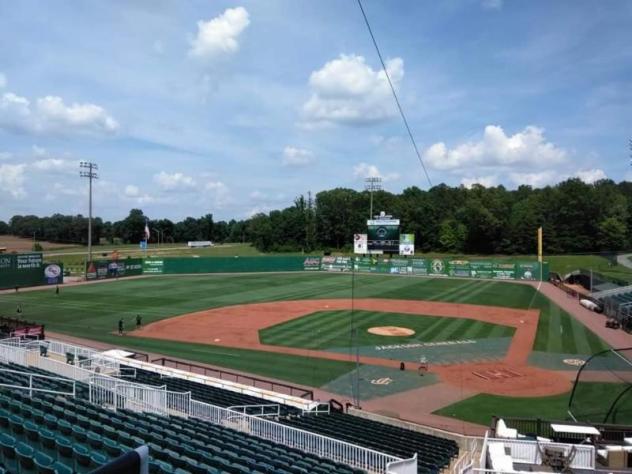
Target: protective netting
x=603, y=388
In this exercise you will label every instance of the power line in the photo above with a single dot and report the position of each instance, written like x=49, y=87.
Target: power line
x=399, y=107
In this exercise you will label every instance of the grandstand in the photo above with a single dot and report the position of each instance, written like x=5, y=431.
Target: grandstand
x=57, y=416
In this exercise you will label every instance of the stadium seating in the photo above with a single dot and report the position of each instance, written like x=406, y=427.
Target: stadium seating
x=434, y=453
x=49, y=434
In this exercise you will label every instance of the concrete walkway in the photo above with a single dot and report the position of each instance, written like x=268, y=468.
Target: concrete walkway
x=624, y=260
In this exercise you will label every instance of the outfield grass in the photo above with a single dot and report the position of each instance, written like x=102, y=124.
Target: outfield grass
x=92, y=311
x=332, y=329
x=598, y=396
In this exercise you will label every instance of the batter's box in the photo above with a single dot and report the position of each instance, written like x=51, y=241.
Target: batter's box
x=497, y=374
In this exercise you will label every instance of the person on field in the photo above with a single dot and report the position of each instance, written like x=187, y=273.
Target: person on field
x=56, y=289
x=139, y=321
x=120, y=327
x=19, y=310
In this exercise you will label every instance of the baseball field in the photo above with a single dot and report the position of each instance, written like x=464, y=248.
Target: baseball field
x=491, y=348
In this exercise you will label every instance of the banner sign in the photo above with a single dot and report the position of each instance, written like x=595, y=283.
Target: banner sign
x=153, y=266
x=102, y=269
x=28, y=269
x=336, y=264
x=360, y=244
x=53, y=274
x=407, y=244
x=311, y=264
x=28, y=260
x=438, y=267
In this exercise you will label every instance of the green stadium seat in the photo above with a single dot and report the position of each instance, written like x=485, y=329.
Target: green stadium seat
x=81, y=456
x=98, y=459
x=62, y=468
x=44, y=463
x=17, y=424
x=24, y=454
x=64, y=447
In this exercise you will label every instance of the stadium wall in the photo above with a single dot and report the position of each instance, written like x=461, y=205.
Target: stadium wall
x=483, y=269
x=28, y=269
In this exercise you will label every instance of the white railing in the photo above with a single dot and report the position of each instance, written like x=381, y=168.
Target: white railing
x=405, y=466
x=528, y=452
x=223, y=384
x=39, y=378
x=465, y=463
x=257, y=410
x=113, y=392
x=313, y=443
x=10, y=353
x=613, y=291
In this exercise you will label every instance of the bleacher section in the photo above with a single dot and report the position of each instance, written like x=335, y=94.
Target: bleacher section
x=434, y=453
x=617, y=305
x=51, y=434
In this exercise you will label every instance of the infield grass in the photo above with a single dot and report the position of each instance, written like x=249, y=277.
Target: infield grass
x=332, y=329
x=596, y=399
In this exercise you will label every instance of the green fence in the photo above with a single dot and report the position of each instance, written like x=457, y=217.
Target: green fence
x=28, y=269
x=484, y=269
x=438, y=267
x=103, y=269
x=230, y=264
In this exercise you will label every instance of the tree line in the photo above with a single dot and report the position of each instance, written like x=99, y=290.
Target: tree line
x=576, y=217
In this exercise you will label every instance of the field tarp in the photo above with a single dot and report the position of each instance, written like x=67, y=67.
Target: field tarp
x=28, y=269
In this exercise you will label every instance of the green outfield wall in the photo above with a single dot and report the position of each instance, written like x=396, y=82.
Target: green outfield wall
x=483, y=269
x=105, y=269
x=28, y=269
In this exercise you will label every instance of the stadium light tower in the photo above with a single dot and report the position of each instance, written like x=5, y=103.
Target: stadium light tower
x=90, y=173
x=372, y=184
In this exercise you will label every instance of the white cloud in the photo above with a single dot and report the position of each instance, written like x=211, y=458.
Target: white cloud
x=12, y=180
x=293, y=156
x=487, y=181
x=365, y=170
x=591, y=175
x=536, y=180
x=497, y=149
x=5, y=155
x=174, y=181
x=220, y=193
x=3, y=81
x=56, y=164
x=346, y=90
x=218, y=36
x=38, y=150
x=492, y=4
x=51, y=115
x=131, y=191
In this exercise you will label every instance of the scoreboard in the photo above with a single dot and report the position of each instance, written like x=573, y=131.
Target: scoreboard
x=383, y=235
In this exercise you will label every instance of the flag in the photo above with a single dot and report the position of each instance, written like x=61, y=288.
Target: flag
x=147, y=235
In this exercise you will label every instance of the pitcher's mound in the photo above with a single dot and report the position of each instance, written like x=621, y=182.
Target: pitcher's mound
x=391, y=331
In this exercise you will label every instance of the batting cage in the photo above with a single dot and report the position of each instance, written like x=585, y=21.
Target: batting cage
x=602, y=392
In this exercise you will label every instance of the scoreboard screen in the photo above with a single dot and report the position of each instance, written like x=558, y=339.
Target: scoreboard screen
x=383, y=236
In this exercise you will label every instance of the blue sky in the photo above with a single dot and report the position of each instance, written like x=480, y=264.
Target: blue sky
x=232, y=108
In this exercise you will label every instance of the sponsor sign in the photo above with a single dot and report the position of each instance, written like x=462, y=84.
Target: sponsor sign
x=459, y=268
x=153, y=266
x=360, y=244
x=101, y=269
x=407, y=244
x=25, y=261
x=53, y=274
x=336, y=264
x=311, y=263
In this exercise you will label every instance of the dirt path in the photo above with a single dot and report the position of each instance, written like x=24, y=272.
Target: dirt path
x=238, y=326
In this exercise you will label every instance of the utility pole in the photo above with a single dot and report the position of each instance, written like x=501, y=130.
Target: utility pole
x=90, y=173
x=372, y=184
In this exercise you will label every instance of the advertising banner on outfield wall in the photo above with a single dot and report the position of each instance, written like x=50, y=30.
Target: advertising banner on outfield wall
x=311, y=264
x=28, y=269
x=336, y=264
x=102, y=269
x=151, y=266
x=438, y=267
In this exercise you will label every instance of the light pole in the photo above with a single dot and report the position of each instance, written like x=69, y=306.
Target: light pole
x=90, y=173
x=159, y=232
x=372, y=184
